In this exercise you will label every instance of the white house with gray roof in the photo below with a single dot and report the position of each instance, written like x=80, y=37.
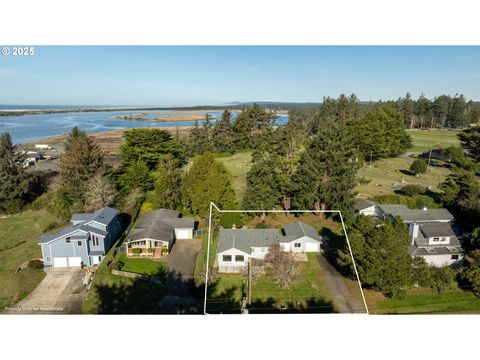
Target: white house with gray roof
x=85, y=242
x=156, y=231
x=237, y=246
x=432, y=235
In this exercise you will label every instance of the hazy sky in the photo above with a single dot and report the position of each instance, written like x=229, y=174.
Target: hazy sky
x=177, y=76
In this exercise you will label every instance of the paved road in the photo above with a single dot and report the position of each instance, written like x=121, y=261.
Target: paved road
x=345, y=299
x=60, y=292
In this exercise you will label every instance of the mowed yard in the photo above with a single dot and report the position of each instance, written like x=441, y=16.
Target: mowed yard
x=238, y=164
x=424, y=140
x=19, y=235
x=308, y=295
x=424, y=301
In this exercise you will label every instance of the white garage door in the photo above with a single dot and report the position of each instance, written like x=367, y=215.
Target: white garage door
x=183, y=234
x=74, y=261
x=312, y=247
x=60, y=262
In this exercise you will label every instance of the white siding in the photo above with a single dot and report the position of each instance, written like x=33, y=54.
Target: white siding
x=183, y=234
x=441, y=260
x=259, y=252
x=232, y=266
x=370, y=211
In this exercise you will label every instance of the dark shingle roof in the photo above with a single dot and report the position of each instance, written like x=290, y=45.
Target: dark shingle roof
x=299, y=229
x=159, y=225
x=71, y=229
x=245, y=239
x=436, y=229
x=410, y=215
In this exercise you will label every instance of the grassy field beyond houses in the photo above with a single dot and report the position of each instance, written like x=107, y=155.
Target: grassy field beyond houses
x=19, y=235
x=238, y=164
x=424, y=140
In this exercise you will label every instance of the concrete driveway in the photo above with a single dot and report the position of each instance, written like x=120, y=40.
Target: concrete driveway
x=60, y=292
x=183, y=257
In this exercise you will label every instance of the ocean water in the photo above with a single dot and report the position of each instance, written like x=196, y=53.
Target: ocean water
x=27, y=128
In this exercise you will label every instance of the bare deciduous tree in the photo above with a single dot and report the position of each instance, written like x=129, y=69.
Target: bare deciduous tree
x=284, y=270
x=100, y=192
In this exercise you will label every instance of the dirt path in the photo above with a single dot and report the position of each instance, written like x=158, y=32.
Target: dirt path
x=344, y=298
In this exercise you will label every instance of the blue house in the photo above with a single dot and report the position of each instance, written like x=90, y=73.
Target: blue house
x=85, y=242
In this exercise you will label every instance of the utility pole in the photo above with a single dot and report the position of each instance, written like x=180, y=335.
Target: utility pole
x=249, y=282
x=371, y=154
x=429, y=158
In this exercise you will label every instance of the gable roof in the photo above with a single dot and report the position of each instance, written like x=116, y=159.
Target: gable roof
x=361, y=204
x=65, y=231
x=159, y=224
x=411, y=215
x=103, y=216
x=299, y=229
x=245, y=239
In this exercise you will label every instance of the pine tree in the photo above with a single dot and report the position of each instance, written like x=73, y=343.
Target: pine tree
x=81, y=160
x=168, y=187
x=326, y=172
x=470, y=142
x=136, y=176
x=15, y=183
x=223, y=134
x=206, y=181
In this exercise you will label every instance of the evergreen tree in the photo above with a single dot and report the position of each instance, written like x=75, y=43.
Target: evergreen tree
x=80, y=161
x=223, y=134
x=206, y=181
x=15, y=183
x=136, y=176
x=148, y=146
x=168, y=187
x=381, y=255
x=249, y=123
x=419, y=166
x=326, y=172
x=470, y=142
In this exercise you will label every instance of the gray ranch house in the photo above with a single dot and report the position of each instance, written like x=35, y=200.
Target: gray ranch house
x=156, y=231
x=85, y=242
x=237, y=246
x=432, y=235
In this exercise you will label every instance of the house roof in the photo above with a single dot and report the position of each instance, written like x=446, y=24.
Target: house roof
x=436, y=250
x=103, y=216
x=159, y=225
x=245, y=239
x=361, y=204
x=411, y=215
x=65, y=231
x=299, y=229
x=436, y=229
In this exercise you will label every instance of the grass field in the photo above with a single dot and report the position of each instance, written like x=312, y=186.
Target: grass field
x=427, y=139
x=238, y=164
x=424, y=301
x=386, y=176
x=18, y=236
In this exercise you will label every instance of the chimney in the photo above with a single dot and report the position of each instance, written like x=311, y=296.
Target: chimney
x=424, y=208
x=233, y=226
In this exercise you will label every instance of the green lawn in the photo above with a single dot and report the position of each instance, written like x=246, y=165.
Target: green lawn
x=143, y=266
x=309, y=295
x=19, y=235
x=384, y=174
x=424, y=301
x=112, y=294
x=238, y=164
x=428, y=139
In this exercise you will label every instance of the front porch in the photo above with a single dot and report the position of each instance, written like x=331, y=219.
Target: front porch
x=147, y=248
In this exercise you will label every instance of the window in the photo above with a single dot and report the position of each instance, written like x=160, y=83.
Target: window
x=239, y=258
x=48, y=258
x=227, y=258
x=79, y=243
x=297, y=245
x=99, y=258
x=94, y=240
x=436, y=239
x=67, y=240
x=263, y=249
x=454, y=257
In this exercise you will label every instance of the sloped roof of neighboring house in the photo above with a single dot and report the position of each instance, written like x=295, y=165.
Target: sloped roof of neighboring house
x=436, y=229
x=103, y=216
x=65, y=231
x=159, y=225
x=299, y=229
x=436, y=250
x=245, y=239
x=411, y=215
x=361, y=204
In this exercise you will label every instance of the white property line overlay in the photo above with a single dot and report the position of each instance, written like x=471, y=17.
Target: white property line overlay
x=276, y=211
